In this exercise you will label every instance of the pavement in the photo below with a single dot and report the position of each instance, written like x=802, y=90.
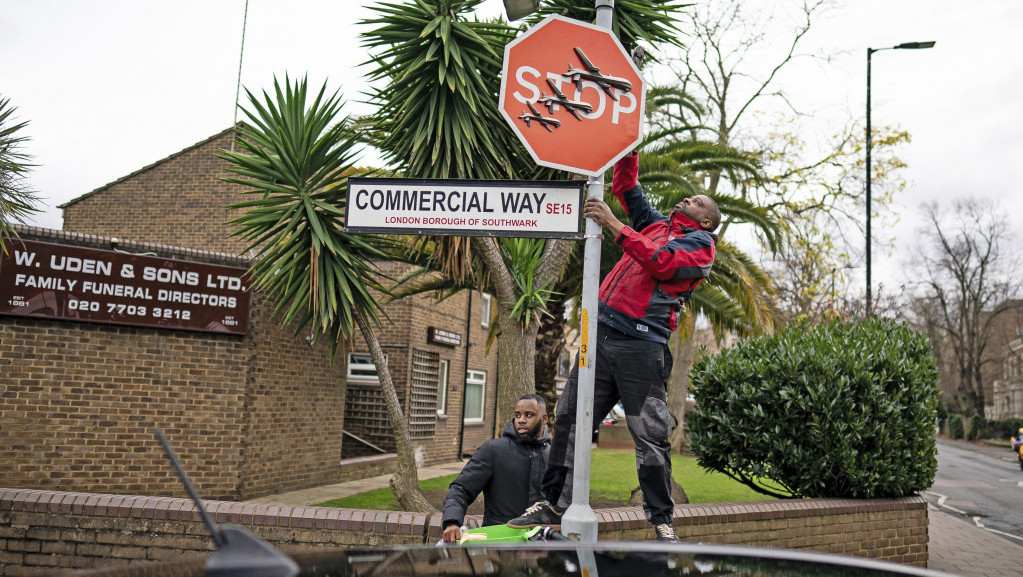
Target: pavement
x=326, y=493
x=956, y=545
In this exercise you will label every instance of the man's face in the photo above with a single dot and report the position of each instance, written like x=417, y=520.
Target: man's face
x=527, y=417
x=697, y=208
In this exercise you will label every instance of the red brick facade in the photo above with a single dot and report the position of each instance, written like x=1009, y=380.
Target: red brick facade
x=249, y=416
x=246, y=414
x=177, y=201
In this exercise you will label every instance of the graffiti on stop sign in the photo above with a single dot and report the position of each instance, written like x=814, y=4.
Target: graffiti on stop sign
x=572, y=95
x=589, y=85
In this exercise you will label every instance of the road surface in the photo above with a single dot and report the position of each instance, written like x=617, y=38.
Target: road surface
x=984, y=484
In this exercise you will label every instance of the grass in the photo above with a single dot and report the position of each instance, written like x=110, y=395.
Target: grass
x=612, y=476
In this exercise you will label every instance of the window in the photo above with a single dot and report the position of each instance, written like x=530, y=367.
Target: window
x=422, y=410
x=475, y=385
x=361, y=368
x=485, y=313
x=442, y=388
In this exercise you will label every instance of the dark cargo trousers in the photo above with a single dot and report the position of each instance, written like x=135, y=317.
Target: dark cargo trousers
x=633, y=371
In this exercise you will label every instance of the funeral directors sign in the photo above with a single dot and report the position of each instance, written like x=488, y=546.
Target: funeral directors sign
x=546, y=209
x=57, y=281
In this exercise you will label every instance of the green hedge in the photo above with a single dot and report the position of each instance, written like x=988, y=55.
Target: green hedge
x=955, y=426
x=976, y=427
x=1009, y=427
x=845, y=409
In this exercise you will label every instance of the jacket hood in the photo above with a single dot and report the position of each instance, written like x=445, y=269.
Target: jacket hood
x=541, y=437
x=680, y=223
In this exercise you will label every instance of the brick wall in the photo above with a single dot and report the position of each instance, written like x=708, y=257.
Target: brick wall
x=248, y=415
x=181, y=201
x=293, y=409
x=407, y=330
x=178, y=201
x=366, y=467
x=42, y=530
x=81, y=402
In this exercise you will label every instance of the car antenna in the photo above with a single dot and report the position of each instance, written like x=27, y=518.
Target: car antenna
x=239, y=553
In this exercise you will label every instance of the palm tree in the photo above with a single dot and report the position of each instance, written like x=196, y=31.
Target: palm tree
x=293, y=161
x=16, y=200
x=437, y=117
x=651, y=21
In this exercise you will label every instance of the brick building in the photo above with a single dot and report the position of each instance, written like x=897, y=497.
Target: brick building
x=249, y=414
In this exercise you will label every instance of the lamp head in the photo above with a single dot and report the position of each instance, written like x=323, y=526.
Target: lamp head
x=520, y=8
x=915, y=45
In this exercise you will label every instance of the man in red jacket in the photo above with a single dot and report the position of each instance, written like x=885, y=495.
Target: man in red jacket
x=665, y=258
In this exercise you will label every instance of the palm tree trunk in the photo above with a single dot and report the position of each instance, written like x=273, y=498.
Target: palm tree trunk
x=516, y=345
x=516, y=362
x=683, y=350
x=405, y=482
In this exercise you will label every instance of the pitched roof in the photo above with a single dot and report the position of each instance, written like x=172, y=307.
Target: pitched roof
x=148, y=167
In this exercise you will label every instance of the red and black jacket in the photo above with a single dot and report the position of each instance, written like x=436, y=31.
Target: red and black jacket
x=665, y=258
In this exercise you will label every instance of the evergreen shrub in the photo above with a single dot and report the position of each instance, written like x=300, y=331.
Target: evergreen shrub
x=1009, y=427
x=955, y=426
x=976, y=427
x=843, y=409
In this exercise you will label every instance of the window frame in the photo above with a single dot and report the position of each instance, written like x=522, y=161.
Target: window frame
x=473, y=378
x=362, y=377
x=487, y=304
x=442, y=387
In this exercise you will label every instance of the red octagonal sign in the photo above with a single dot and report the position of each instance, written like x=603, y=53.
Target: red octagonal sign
x=572, y=95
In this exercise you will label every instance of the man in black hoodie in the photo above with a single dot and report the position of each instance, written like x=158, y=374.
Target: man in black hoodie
x=507, y=470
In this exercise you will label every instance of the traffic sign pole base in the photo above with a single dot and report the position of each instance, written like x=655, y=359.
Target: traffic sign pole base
x=579, y=523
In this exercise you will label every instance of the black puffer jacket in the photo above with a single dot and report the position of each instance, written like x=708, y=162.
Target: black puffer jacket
x=507, y=470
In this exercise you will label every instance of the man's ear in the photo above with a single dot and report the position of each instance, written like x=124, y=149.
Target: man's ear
x=543, y=418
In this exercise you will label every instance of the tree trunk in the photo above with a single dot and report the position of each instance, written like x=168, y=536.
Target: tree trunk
x=550, y=341
x=678, y=495
x=405, y=482
x=516, y=345
x=683, y=351
x=516, y=364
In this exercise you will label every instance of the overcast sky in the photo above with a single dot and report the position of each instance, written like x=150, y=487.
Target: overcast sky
x=110, y=86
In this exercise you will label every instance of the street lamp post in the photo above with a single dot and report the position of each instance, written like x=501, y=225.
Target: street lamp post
x=871, y=51
x=834, y=269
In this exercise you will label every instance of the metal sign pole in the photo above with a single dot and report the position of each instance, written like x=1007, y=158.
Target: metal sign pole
x=579, y=521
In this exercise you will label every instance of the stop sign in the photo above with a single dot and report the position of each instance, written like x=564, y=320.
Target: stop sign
x=572, y=95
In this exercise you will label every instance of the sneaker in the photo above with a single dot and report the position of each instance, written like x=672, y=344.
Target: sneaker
x=666, y=533
x=539, y=514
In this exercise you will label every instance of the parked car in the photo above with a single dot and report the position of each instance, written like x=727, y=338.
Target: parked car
x=614, y=417
x=547, y=559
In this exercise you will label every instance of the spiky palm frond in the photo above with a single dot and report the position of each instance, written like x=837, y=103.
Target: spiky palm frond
x=437, y=111
x=654, y=22
x=523, y=256
x=674, y=103
x=292, y=160
x=748, y=289
x=427, y=273
x=17, y=200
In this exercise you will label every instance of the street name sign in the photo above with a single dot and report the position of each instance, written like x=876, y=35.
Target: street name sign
x=511, y=208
